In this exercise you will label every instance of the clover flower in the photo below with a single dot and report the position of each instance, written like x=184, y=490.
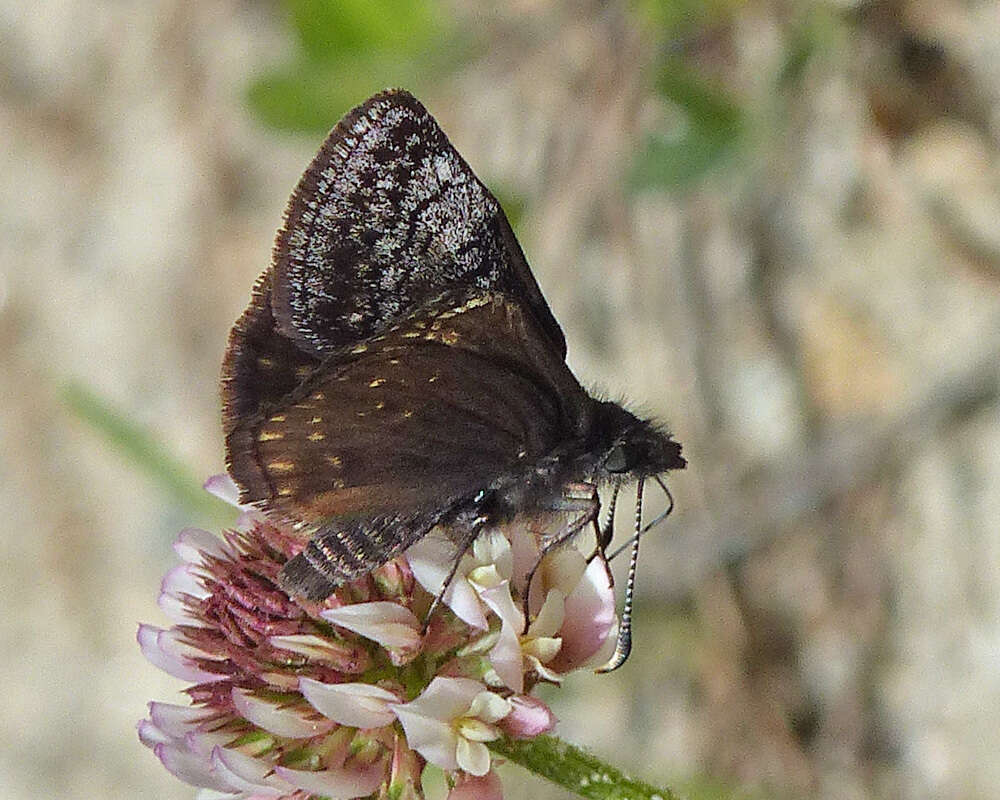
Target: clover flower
x=353, y=696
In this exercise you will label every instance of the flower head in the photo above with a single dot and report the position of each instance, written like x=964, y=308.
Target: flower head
x=353, y=696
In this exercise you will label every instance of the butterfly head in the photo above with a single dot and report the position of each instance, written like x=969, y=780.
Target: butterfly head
x=633, y=448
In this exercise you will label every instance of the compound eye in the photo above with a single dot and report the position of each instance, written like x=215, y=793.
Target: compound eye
x=617, y=460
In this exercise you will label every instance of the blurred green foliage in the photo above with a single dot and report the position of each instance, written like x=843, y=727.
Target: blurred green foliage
x=707, y=130
x=513, y=203
x=140, y=448
x=703, y=126
x=347, y=50
x=680, y=17
x=818, y=29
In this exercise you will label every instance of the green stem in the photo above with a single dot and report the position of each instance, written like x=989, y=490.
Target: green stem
x=576, y=770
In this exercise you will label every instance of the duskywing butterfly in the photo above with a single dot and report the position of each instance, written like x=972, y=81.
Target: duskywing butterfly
x=399, y=369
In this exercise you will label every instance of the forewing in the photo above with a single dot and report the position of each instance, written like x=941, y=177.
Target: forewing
x=387, y=217
x=433, y=409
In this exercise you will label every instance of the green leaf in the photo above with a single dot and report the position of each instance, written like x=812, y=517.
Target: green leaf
x=333, y=29
x=350, y=49
x=308, y=97
x=709, y=131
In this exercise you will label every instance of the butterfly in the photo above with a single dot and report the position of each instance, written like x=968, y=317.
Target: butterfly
x=398, y=368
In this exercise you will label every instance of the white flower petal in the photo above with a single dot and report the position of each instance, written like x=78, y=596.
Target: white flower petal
x=204, y=742
x=605, y=652
x=359, y=705
x=193, y=544
x=182, y=582
x=463, y=600
x=489, y=707
x=544, y=648
x=191, y=768
x=502, y=604
x=427, y=720
x=286, y=722
x=492, y=547
x=550, y=616
x=590, y=620
x=173, y=644
x=176, y=590
x=473, y=757
x=475, y=730
x=430, y=560
x=507, y=659
x=177, y=611
x=389, y=624
x=542, y=670
x=177, y=721
x=163, y=650
x=433, y=739
x=485, y=577
x=562, y=569
x=316, y=648
x=397, y=636
x=445, y=698
x=524, y=547
x=211, y=794
x=223, y=487
x=337, y=784
x=305, y=644
x=150, y=735
x=250, y=774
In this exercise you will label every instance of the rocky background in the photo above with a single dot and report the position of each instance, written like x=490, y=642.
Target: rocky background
x=773, y=223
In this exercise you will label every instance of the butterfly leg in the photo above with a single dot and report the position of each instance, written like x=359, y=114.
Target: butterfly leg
x=579, y=499
x=464, y=541
x=603, y=534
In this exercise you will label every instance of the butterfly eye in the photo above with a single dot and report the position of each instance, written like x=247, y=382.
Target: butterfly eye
x=626, y=456
x=617, y=460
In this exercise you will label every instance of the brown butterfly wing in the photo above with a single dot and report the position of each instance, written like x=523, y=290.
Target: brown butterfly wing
x=444, y=401
x=387, y=217
x=376, y=447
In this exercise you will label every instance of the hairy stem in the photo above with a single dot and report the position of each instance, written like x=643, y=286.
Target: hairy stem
x=576, y=770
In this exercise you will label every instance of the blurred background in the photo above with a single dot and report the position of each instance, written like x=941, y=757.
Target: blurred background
x=773, y=223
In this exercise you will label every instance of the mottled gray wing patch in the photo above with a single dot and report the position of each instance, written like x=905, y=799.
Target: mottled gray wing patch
x=387, y=217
